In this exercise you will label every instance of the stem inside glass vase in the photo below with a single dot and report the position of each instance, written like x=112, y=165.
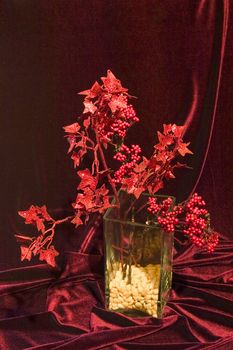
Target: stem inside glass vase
x=138, y=260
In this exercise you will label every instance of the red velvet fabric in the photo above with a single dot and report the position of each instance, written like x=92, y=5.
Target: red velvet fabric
x=176, y=56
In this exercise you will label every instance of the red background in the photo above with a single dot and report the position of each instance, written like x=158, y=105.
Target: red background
x=176, y=57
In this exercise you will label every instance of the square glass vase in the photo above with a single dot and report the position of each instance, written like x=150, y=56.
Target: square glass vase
x=138, y=259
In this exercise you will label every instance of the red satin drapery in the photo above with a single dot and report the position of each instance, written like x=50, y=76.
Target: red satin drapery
x=176, y=56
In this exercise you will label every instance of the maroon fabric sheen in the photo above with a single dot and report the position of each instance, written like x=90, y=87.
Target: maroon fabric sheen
x=176, y=56
x=67, y=312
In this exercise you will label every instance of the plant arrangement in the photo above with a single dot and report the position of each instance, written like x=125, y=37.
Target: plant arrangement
x=102, y=128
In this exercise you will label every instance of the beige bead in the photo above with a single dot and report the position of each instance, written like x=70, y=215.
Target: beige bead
x=126, y=293
x=155, y=291
x=128, y=287
x=140, y=289
x=112, y=284
x=138, y=304
x=141, y=293
x=144, y=292
x=130, y=299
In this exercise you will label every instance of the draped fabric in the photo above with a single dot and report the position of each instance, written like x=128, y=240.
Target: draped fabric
x=176, y=57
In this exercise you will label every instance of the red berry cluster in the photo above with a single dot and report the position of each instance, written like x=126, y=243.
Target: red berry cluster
x=162, y=208
x=117, y=123
x=212, y=241
x=129, y=157
x=153, y=206
x=168, y=222
x=197, y=223
x=196, y=219
x=104, y=132
x=191, y=217
x=166, y=217
x=119, y=127
x=126, y=118
x=129, y=114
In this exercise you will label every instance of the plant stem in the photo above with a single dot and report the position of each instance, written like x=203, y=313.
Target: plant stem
x=107, y=168
x=49, y=238
x=57, y=223
x=130, y=208
x=142, y=207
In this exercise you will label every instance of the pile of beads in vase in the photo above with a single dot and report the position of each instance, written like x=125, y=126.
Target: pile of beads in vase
x=140, y=293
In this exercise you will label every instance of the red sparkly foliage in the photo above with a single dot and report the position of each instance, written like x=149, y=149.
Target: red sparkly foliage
x=102, y=127
x=137, y=175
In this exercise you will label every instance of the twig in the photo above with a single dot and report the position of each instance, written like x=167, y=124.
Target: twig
x=106, y=168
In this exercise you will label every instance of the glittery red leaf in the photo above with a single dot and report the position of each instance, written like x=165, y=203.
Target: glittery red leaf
x=43, y=212
x=169, y=175
x=29, y=215
x=112, y=84
x=40, y=225
x=87, y=180
x=77, y=221
x=102, y=191
x=183, y=149
x=174, y=129
x=26, y=253
x=94, y=91
x=84, y=202
x=36, y=216
x=133, y=185
x=155, y=187
x=72, y=128
x=49, y=255
x=82, y=143
x=72, y=143
x=89, y=107
x=141, y=166
x=77, y=157
x=164, y=140
x=138, y=191
x=117, y=102
x=87, y=122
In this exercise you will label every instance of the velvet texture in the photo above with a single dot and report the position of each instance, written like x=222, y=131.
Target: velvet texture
x=176, y=56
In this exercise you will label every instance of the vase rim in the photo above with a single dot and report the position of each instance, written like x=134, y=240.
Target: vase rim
x=154, y=225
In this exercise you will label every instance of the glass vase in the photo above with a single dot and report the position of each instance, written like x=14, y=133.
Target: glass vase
x=138, y=259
